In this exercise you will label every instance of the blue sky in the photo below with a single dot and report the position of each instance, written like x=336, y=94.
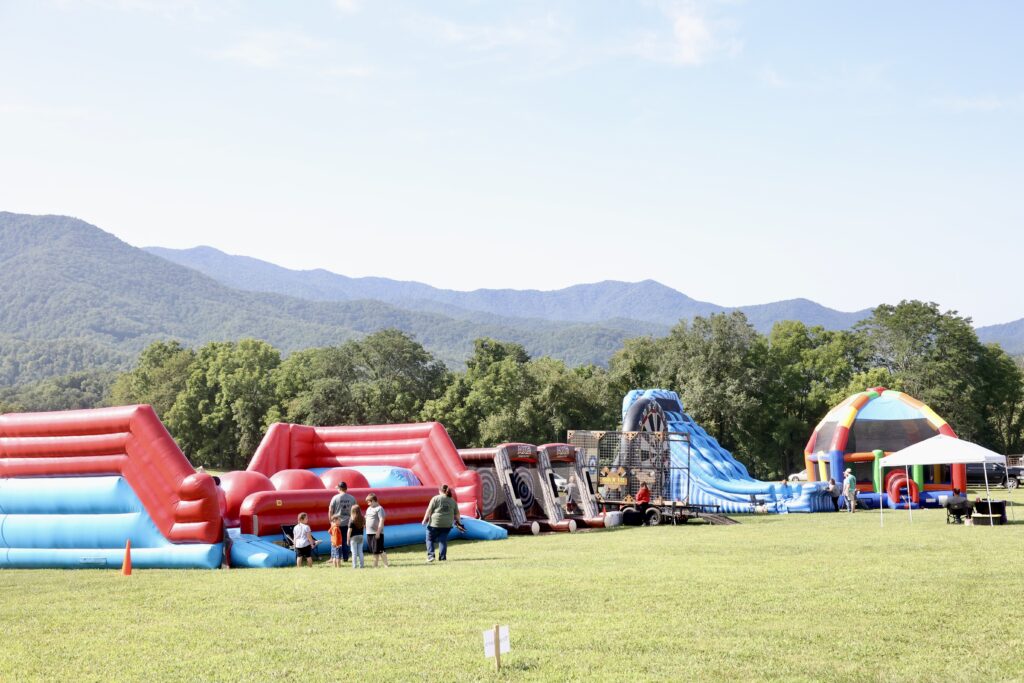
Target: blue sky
x=741, y=152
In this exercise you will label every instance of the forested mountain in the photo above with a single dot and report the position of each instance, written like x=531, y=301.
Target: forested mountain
x=1008, y=335
x=76, y=297
x=647, y=300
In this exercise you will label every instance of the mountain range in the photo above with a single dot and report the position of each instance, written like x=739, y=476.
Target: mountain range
x=647, y=301
x=78, y=298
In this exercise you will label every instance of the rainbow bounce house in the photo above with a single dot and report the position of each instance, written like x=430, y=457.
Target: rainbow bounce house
x=859, y=432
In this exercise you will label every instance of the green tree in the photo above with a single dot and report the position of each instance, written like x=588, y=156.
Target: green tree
x=158, y=378
x=491, y=401
x=719, y=366
x=396, y=376
x=74, y=391
x=220, y=416
x=933, y=356
x=315, y=387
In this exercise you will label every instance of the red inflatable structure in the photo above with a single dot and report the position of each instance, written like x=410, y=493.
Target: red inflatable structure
x=128, y=441
x=283, y=462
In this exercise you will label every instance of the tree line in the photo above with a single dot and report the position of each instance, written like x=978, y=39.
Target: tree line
x=759, y=395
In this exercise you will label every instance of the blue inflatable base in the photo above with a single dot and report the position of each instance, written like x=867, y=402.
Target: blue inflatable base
x=192, y=556
x=80, y=522
x=258, y=552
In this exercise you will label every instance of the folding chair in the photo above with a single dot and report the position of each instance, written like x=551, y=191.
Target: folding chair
x=288, y=531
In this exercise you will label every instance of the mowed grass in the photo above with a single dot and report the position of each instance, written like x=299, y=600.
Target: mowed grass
x=800, y=597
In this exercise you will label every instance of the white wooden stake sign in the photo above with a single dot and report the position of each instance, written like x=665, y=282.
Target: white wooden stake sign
x=496, y=644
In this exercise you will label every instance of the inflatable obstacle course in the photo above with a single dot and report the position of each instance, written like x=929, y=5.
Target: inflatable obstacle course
x=297, y=468
x=75, y=486
x=500, y=502
x=567, y=462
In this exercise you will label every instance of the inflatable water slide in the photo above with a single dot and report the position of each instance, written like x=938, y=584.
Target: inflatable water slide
x=703, y=472
x=297, y=469
x=76, y=485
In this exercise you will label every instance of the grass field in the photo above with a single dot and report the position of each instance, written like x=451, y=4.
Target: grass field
x=799, y=597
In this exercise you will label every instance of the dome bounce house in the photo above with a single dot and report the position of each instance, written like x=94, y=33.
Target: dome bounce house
x=859, y=432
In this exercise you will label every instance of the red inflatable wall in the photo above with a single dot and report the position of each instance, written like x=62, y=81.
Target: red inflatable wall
x=424, y=448
x=130, y=441
x=265, y=512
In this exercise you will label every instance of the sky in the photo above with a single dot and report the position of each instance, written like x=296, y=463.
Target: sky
x=741, y=152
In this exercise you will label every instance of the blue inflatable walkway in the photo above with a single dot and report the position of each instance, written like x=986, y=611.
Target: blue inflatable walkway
x=84, y=522
x=716, y=477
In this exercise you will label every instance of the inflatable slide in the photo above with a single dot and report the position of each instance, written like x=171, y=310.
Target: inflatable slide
x=75, y=486
x=297, y=469
x=705, y=472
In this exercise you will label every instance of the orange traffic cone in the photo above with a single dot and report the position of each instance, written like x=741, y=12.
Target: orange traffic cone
x=126, y=566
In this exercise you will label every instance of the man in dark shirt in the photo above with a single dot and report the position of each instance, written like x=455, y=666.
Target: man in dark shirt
x=958, y=506
x=341, y=506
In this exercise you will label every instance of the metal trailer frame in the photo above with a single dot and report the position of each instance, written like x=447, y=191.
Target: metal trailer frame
x=620, y=461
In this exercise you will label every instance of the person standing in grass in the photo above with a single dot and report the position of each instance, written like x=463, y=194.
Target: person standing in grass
x=833, y=491
x=337, y=540
x=850, y=489
x=340, y=506
x=375, y=529
x=356, y=524
x=302, y=539
x=441, y=514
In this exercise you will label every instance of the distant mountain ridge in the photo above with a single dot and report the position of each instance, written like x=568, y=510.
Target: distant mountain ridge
x=647, y=300
x=78, y=298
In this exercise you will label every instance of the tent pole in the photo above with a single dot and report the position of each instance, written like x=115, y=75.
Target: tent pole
x=988, y=493
x=881, y=497
x=910, y=513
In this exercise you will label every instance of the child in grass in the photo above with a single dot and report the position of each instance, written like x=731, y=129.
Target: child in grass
x=302, y=539
x=375, y=529
x=337, y=541
x=356, y=524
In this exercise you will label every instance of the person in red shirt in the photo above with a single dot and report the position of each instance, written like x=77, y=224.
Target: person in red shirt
x=643, y=500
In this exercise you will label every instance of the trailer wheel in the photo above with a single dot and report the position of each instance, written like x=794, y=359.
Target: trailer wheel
x=653, y=516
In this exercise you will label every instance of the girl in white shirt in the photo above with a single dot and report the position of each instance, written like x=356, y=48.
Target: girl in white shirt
x=375, y=529
x=302, y=539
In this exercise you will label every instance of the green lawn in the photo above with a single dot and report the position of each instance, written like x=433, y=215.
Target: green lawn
x=798, y=597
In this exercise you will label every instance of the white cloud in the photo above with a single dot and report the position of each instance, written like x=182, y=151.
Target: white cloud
x=349, y=72
x=269, y=49
x=979, y=104
x=543, y=31
x=43, y=111
x=170, y=9
x=770, y=77
x=347, y=6
x=692, y=38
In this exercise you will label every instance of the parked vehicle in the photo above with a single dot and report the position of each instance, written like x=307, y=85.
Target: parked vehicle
x=998, y=475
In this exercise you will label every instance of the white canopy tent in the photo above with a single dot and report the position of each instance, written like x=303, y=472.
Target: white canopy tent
x=940, y=450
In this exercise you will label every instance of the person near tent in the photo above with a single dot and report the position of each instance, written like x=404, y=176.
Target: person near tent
x=959, y=506
x=850, y=489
